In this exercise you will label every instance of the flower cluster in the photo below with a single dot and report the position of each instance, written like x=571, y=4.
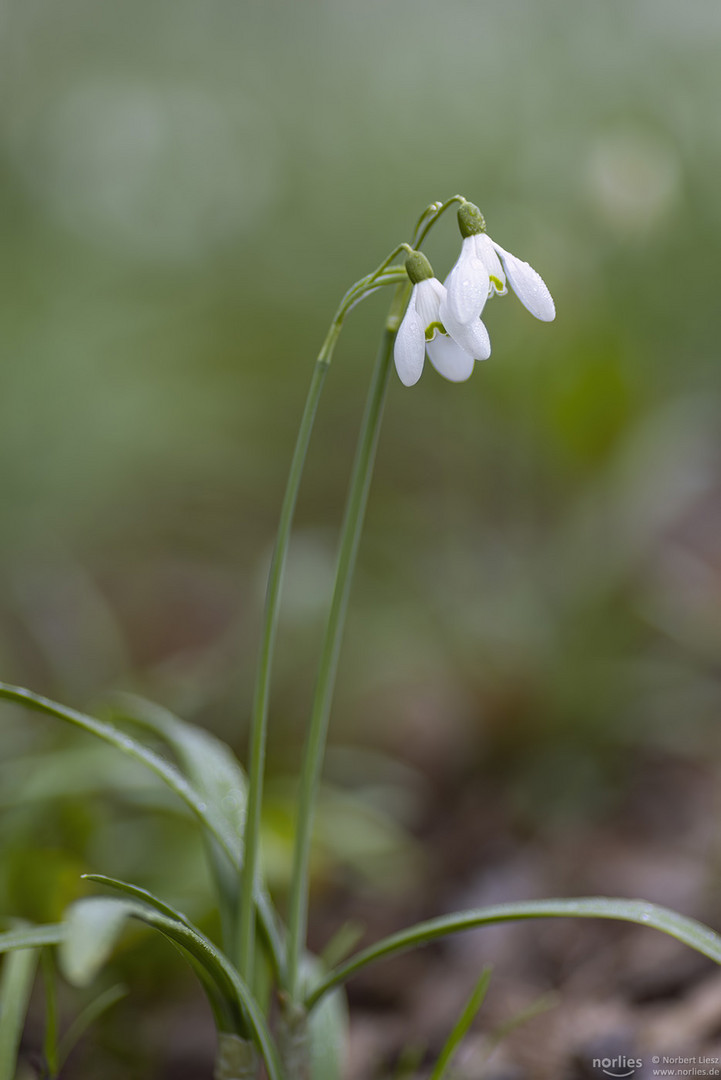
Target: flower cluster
x=444, y=320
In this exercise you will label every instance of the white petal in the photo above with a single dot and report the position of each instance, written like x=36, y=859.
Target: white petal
x=486, y=252
x=529, y=287
x=449, y=359
x=467, y=284
x=472, y=337
x=428, y=296
x=409, y=350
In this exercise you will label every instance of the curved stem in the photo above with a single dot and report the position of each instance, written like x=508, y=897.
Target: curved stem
x=430, y=216
x=689, y=931
x=318, y=725
x=384, y=274
x=245, y=920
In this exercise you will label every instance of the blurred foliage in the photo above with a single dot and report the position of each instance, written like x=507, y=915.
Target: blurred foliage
x=185, y=191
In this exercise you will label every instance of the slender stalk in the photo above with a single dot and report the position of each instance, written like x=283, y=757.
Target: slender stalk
x=245, y=920
x=430, y=216
x=318, y=725
x=259, y=726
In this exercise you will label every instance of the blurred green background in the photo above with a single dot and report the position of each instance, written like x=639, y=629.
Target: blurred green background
x=186, y=190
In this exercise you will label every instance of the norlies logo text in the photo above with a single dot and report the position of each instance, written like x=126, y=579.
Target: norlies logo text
x=619, y=1067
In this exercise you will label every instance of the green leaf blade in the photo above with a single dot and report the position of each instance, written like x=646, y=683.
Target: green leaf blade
x=86, y=1018
x=208, y=762
x=93, y=926
x=31, y=937
x=216, y=825
x=102, y=918
x=689, y=931
x=16, y=983
x=462, y=1025
x=112, y=735
x=136, y=893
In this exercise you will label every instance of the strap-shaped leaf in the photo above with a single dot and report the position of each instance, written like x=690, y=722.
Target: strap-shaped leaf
x=32, y=937
x=16, y=983
x=92, y=928
x=461, y=1026
x=222, y=1014
x=208, y=762
x=50, y=1039
x=328, y=1034
x=215, y=773
x=689, y=931
x=136, y=893
x=110, y=734
x=93, y=925
x=87, y=1017
x=216, y=824
x=17, y=977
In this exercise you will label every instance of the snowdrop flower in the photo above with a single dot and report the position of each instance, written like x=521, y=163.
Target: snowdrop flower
x=429, y=326
x=483, y=269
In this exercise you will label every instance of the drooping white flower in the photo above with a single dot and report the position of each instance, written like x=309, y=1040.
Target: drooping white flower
x=469, y=283
x=484, y=267
x=429, y=326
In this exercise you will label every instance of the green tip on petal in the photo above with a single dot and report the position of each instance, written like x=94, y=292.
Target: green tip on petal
x=470, y=220
x=431, y=330
x=418, y=268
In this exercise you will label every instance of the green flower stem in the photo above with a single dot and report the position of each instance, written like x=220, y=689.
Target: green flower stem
x=259, y=724
x=689, y=931
x=430, y=216
x=318, y=725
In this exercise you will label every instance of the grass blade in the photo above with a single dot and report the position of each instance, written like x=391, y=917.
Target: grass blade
x=493, y=1040
x=460, y=1028
x=86, y=1018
